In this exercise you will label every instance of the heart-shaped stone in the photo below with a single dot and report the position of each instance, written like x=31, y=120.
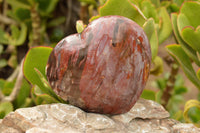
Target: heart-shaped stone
x=104, y=69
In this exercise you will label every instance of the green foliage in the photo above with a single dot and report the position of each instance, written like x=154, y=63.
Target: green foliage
x=191, y=112
x=179, y=55
x=126, y=9
x=158, y=66
x=79, y=26
x=37, y=57
x=22, y=99
x=34, y=71
x=150, y=30
x=148, y=94
x=186, y=28
x=5, y=108
x=6, y=86
x=176, y=98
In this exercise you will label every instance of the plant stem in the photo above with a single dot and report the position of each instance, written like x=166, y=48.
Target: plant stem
x=1, y=95
x=84, y=12
x=6, y=20
x=170, y=84
x=14, y=74
x=35, y=18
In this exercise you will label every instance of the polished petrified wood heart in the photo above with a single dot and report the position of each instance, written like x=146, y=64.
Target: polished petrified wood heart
x=104, y=69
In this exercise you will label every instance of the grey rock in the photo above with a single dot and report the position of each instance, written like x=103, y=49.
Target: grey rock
x=145, y=116
x=185, y=128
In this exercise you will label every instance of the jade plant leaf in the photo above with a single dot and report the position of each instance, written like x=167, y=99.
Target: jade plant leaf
x=40, y=97
x=6, y=86
x=47, y=90
x=156, y=2
x=3, y=63
x=3, y=38
x=17, y=3
x=191, y=112
x=22, y=14
x=182, y=22
x=125, y=8
x=192, y=37
x=5, y=108
x=36, y=57
x=191, y=11
x=18, y=36
x=149, y=10
x=157, y=68
x=166, y=27
x=151, y=32
x=178, y=2
x=93, y=2
x=189, y=51
x=148, y=94
x=24, y=92
x=46, y=6
x=179, y=55
x=198, y=73
x=180, y=90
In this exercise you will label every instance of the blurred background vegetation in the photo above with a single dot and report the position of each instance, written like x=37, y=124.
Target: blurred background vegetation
x=172, y=26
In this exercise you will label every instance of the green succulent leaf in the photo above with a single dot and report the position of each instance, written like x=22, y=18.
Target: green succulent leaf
x=94, y=17
x=5, y=108
x=42, y=98
x=191, y=12
x=189, y=51
x=182, y=22
x=157, y=66
x=46, y=6
x=56, y=21
x=3, y=63
x=15, y=31
x=179, y=80
x=156, y=2
x=47, y=99
x=166, y=27
x=191, y=112
x=19, y=4
x=79, y=26
x=198, y=73
x=149, y=10
x=125, y=8
x=3, y=38
x=47, y=88
x=22, y=14
x=6, y=86
x=148, y=94
x=180, y=90
x=179, y=55
x=160, y=83
x=192, y=37
x=151, y=32
x=93, y=2
x=178, y=2
x=23, y=94
x=36, y=57
x=18, y=36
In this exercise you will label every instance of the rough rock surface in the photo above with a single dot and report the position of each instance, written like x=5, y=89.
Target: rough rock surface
x=145, y=116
